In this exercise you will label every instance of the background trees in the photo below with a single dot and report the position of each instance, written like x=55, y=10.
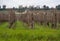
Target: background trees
x=21, y=8
x=58, y=7
x=0, y=7
x=46, y=7
x=4, y=6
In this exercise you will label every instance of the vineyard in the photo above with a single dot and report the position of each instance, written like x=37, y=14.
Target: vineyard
x=30, y=25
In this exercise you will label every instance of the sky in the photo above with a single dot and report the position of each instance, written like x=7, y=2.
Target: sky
x=16, y=3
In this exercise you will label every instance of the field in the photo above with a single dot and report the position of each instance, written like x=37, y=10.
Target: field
x=23, y=33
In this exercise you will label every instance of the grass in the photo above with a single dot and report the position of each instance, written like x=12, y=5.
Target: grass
x=23, y=33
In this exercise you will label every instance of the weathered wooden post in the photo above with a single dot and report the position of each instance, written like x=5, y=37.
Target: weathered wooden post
x=32, y=21
x=42, y=18
x=54, y=23
x=12, y=18
x=55, y=14
x=0, y=17
x=45, y=18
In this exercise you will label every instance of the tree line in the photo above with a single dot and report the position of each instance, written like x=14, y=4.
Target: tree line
x=21, y=8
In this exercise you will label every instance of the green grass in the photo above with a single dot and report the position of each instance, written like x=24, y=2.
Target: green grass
x=23, y=33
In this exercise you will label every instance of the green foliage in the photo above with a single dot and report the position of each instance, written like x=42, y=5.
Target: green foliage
x=23, y=33
x=58, y=7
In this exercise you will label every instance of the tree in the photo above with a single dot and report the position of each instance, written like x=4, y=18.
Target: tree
x=37, y=7
x=14, y=8
x=52, y=8
x=4, y=6
x=25, y=8
x=0, y=7
x=58, y=7
x=46, y=7
x=21, y=8
x=31, y=7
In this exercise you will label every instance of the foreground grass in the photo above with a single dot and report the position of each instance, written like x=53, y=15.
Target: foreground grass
x=23, y=33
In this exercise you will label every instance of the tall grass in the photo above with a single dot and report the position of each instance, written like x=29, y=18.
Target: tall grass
x=23, y=33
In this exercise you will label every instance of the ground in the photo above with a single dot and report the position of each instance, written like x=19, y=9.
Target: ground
x=23, y=33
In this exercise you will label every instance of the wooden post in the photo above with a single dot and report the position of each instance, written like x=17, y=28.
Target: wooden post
x=55, y=19
x=54, y=24
x=32, y=21
x=12, y=18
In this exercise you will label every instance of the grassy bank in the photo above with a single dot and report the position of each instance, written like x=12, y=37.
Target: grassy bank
x=23, y=33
